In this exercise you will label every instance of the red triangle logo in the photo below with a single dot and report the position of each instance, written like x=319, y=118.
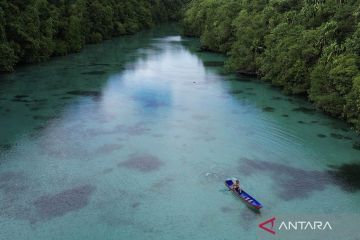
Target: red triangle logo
x=272, y=223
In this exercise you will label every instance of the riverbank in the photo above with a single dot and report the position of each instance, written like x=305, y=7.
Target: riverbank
x=34, y=31
x=315, y=54
x=133, y=138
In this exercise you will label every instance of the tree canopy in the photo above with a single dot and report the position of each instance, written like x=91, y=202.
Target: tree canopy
x=307, y=47
x=33, y=30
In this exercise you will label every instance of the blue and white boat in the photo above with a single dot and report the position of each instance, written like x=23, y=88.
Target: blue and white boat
x=243, y=195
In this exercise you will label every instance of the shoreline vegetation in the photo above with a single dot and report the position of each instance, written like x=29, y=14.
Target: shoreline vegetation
x=32, y=31
x=309, y=48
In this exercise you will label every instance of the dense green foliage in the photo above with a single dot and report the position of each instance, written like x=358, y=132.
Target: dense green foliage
x=33, y=30
x=308, y=47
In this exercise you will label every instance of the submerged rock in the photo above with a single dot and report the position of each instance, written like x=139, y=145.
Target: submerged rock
x=85, y=93
x=45, y=118
x=135, y=204
x=268, y=109
x=336, y=136
x=21, y=96
x=108, y=148
x=20, y=100
x=93, y=73
x=5, y=147
x=50, y=206
x=356, y=145
x=304, y=110
x=142, y=162
x=98, y=64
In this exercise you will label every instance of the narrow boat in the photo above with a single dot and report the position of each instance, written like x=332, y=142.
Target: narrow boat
x=243, y=195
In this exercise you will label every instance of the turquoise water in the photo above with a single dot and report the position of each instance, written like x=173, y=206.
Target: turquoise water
x=133, y=138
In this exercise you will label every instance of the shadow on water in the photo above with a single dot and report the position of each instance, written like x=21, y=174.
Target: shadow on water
x=347, y=176
x=254, y=210
x=294, y=183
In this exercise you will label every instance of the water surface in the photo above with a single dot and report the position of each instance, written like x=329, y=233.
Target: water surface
x=133, y=138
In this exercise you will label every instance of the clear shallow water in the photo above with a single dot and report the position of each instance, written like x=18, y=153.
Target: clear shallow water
x=133, y=138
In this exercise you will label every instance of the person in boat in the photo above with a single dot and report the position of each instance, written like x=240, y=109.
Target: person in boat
x=236, y=186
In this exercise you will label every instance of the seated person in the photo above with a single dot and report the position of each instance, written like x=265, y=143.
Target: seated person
x=236, y=186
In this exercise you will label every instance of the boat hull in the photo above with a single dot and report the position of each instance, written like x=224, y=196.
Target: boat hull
x=247, y=198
